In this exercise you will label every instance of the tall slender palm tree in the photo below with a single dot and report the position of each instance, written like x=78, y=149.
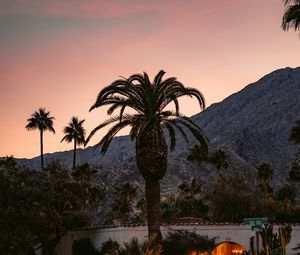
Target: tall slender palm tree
x=291, y=16
x=148, y=100
x=74, y=132
x=42, y=121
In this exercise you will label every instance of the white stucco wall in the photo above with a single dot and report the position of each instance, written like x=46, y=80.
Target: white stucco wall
x=225, y=232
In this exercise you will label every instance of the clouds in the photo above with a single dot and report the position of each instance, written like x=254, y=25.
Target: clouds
x=90, y=8
x=58, y=54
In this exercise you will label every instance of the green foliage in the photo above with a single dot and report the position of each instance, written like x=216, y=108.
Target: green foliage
x=286, y=194
x=110, y=247
x=38, y=207
x=200, y=154
x=181, y=242
x=231, y=199
x=189, y=201
x=177, y=242
x=84, y=247
x=169, y=209
x=264, y=178
x=133, y=247
x=123, y=203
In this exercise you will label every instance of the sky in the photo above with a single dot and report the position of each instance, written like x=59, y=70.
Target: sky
x=59, y=54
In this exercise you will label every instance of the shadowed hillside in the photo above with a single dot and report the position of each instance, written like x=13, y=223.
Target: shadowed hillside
x=252, y=125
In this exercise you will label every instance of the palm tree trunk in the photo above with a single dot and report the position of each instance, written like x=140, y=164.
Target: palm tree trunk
x=152, y=190
x=74, y=156
x=42, y=154
x=151, y=158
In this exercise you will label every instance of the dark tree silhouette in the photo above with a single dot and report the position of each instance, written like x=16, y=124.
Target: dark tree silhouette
x=295, y=133
x=291, y=16
x=190, y=197
x=264, y=178
x=74, y=132
x=148, y=100
x=124, y=197
x=42, y=121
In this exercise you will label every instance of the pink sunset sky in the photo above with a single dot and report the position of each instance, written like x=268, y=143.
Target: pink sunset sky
x=58, y=54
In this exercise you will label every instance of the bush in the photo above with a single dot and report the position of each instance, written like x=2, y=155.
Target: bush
x=181, y=242
x=83, y=247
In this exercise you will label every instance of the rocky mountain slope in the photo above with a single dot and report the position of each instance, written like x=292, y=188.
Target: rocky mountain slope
x=252, y=125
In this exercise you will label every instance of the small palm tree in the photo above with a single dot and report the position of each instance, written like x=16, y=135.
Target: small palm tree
x=291, y=17
x=264, y=178
x=42, y=121
x=148, y=100
x=74, y=131
x=190, y=192
x=125, y=196
x=219, y=159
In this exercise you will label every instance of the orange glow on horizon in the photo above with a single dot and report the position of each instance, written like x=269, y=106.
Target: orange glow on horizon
x=58, y=55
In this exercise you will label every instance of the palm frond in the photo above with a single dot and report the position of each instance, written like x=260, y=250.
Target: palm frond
x=176, y=126
x=106, y=140
x=102, y=125
x=291, y=18
x=171, y=131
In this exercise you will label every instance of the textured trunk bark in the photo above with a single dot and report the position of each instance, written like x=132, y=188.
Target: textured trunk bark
x=42, y=154
x=151, y=157
x=74, y=156
x=152, y=190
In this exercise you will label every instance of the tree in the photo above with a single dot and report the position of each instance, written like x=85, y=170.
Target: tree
x=201, y=155
x=189, y=198
x=231, y=199
x=148, y=100
x=169, y=209
x=74, y=132
x=125, y=196
x=264, y=177
x=180, y=242
x=42, y=121
x=219, y=159
x=291, y=17
x=38, y=207
x=198, y=153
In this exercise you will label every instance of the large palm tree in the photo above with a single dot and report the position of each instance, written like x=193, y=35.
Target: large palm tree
x=74, y=132
x=291, y=17
x=149, y=101
x=42, y=121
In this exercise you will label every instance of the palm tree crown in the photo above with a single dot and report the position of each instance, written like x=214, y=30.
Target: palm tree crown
x=42, y=121
x=148, y=100
x=74, y=131
x=291, y=17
